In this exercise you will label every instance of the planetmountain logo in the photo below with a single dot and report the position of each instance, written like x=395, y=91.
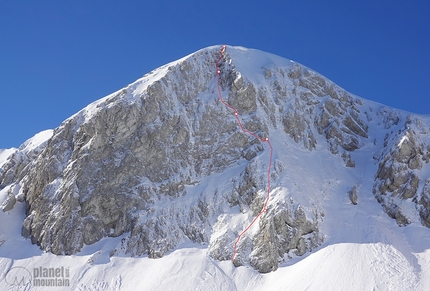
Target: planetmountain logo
x=18, y=276
x=51, y=277
x=40, y=277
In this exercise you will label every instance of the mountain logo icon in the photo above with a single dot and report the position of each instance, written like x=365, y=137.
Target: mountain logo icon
x=18, y=276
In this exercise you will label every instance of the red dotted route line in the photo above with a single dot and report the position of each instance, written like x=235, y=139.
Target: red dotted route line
x=265, y=140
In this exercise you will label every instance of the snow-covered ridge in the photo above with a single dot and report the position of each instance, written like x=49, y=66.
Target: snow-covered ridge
x=31, y=147
x=4, y=154
x=36, y=141
x=133, y=91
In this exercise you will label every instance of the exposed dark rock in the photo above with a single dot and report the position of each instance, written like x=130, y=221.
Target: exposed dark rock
x=353, y=195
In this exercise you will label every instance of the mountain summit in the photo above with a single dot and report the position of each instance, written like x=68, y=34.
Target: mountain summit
x=162, y=163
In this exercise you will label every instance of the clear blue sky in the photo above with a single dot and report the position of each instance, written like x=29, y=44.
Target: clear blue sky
x=58, y=56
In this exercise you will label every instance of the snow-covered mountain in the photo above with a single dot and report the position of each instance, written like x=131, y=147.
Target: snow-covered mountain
x=150, y=187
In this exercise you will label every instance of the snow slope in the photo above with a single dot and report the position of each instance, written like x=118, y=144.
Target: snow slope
x=362, y=249
x=366, y=252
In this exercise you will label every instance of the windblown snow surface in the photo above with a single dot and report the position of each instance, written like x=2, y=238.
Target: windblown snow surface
x=363, y=248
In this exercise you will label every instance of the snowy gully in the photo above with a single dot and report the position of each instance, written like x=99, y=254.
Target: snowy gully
x=265, y=140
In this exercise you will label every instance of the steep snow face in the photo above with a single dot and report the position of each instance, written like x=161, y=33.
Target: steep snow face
x=162, y=162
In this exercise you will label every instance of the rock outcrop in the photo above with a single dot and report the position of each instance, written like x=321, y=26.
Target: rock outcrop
x=397, y=180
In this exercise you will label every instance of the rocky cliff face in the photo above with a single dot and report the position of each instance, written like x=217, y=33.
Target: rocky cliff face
x=163, y=162
x=399, y=183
